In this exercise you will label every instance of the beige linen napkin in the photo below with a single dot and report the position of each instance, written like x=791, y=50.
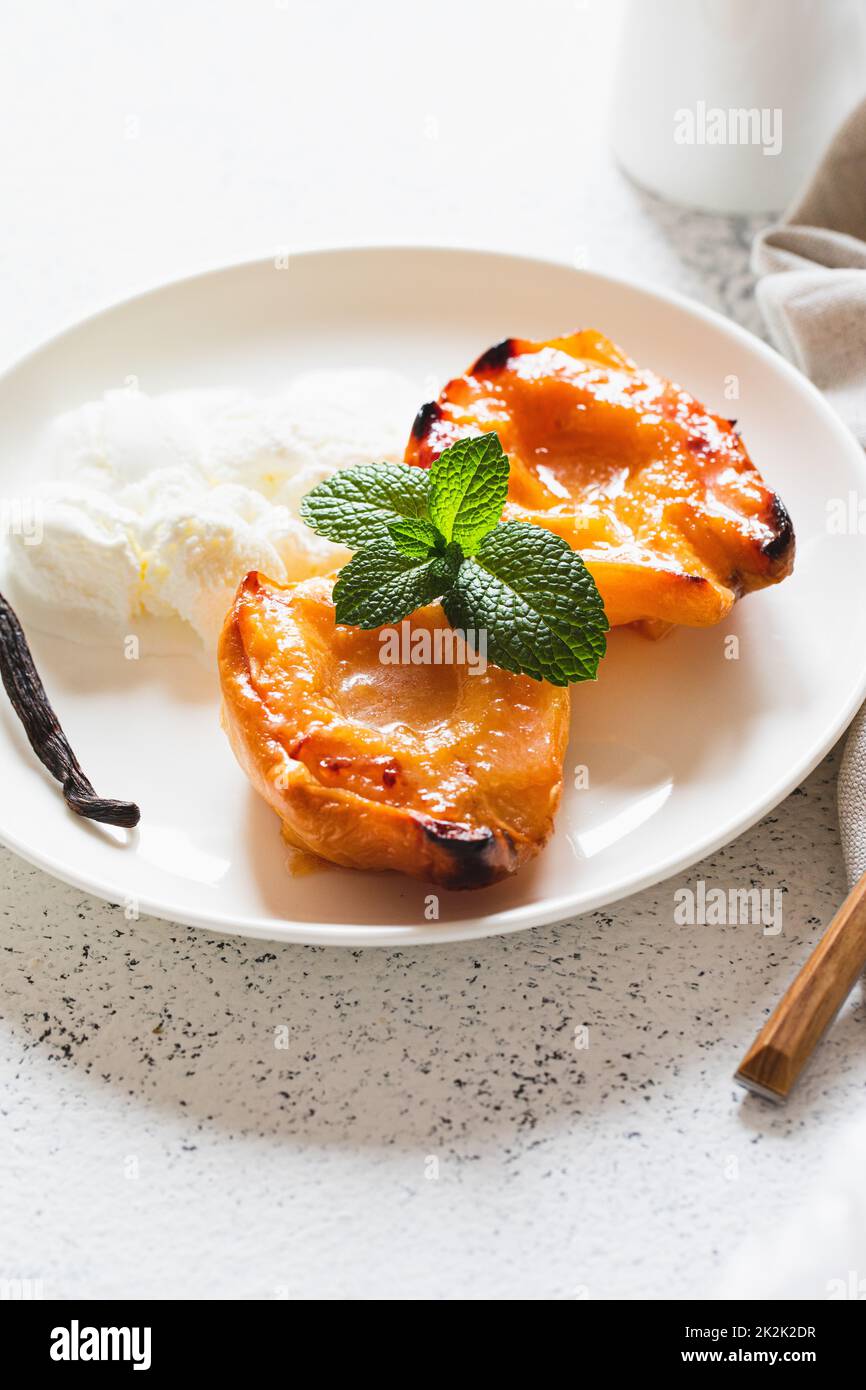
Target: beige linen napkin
x=812, y=293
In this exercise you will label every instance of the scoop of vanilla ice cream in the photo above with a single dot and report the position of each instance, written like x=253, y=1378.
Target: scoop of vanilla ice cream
x=161, y=504
x=86, y=559
x=200, y=545
x=284, y=445
x=123, y=438
x=200, y=549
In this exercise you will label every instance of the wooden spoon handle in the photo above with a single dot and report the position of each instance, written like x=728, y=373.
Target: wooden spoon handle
x=791, y=1034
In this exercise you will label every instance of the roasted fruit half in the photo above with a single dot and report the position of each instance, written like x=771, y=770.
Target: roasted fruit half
x=659, y=496
x=427, y=768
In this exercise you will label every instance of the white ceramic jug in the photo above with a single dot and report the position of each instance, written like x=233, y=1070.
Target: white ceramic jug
x=727, y=105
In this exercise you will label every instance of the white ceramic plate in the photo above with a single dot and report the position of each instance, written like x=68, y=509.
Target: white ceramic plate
x=684, y=747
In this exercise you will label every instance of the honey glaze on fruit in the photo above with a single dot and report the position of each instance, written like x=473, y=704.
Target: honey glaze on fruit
x=441, y=770
x=658, y=495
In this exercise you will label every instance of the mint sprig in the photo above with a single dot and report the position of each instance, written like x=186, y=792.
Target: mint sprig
x=356, y=506
x=468, y=487
x=415, y=536
x=536, y=600
x=381, y=585
x=427, y=534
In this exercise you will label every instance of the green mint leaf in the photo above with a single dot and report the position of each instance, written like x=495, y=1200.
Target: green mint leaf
x=355, y=506
x=415, y=537
x=468, y=487
x=380, y=585
x=536, y=600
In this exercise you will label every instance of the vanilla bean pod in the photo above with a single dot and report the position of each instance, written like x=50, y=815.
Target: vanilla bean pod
x=47, y=739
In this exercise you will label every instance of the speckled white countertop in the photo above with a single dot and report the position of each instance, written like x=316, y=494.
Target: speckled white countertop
x=430, y=1131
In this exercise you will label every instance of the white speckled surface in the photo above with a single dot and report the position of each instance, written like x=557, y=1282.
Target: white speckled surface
x=156, y=1142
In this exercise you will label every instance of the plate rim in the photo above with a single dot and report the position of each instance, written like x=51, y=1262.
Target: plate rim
x=543, y=912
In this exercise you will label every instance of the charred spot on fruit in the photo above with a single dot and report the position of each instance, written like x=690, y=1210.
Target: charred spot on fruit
x=495, y=357
x=455, y=831
x=472, y=856
x=781, y=544
x=424, y=421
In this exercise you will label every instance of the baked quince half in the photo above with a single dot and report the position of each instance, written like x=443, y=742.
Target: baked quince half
x=430, y=769
x=657, y=494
